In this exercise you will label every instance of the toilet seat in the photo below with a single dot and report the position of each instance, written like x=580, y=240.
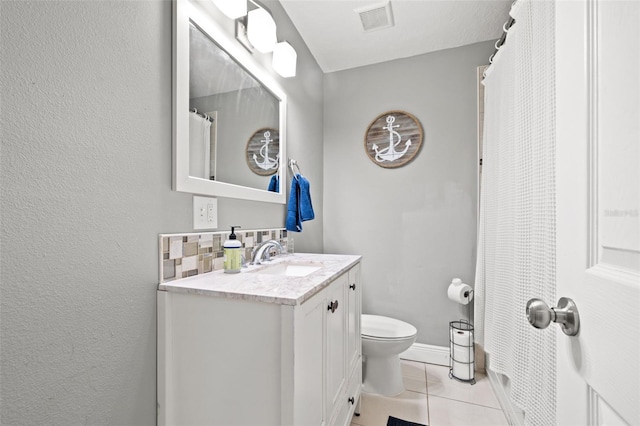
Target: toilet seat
x=377, y=327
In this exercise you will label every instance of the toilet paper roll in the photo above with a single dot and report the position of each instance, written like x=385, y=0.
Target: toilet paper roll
x=462, y=347
x=460, y=292
x=462, y=371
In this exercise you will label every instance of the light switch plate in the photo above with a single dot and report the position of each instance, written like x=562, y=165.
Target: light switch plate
x=205, y=212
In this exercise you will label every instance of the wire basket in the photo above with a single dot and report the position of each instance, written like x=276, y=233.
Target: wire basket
x=461, y=345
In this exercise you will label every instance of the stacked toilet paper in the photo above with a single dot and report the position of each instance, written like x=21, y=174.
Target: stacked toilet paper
x=461, y=338
x=462, y=357
x=460, y=292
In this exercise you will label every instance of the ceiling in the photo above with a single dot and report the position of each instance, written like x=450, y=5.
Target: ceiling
x=334, y=33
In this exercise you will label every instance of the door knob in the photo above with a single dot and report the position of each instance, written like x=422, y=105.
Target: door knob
x=566, y=314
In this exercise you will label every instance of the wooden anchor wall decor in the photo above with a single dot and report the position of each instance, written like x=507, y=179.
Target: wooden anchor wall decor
x=393, y=139
x=263, y=152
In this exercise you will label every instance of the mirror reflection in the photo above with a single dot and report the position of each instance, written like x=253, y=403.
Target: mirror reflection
x=233, y=119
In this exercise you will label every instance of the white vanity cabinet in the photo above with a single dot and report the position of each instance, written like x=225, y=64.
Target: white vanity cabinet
x=235, y=360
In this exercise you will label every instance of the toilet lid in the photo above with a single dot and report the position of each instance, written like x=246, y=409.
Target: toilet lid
x=377, y=326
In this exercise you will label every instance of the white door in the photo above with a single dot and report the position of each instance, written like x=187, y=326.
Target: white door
x=598, y=203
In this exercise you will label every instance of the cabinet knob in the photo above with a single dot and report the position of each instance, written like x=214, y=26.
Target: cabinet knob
x=332, y=306
x=352, y=287
x=352, y=400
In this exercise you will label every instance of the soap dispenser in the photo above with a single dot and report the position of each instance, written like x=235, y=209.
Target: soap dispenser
x=232, y=256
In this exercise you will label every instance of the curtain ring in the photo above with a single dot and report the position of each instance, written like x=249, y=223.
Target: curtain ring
x=507, y=25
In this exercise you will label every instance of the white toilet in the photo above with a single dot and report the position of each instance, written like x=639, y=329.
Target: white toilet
x=383, y=340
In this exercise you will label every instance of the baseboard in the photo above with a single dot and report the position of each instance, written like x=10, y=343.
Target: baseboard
x=430, y=354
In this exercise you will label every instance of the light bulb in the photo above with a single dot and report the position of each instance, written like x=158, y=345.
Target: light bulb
x=261, y=30
x=284, y=59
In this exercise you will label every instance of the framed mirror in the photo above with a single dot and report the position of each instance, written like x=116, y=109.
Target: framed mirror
x=221, y=100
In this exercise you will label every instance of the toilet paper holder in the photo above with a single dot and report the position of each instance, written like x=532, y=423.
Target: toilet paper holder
x=461, y=356
x=460, y=292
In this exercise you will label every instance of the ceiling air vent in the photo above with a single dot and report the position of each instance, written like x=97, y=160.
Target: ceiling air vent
x=376, y=16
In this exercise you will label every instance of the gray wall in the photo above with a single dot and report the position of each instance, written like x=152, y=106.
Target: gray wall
x=86, y=189
x=416, y=225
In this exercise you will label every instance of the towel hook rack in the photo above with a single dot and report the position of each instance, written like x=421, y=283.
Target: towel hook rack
x=293, y=165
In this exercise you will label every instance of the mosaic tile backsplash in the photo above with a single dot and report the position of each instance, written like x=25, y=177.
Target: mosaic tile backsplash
x=185, y=255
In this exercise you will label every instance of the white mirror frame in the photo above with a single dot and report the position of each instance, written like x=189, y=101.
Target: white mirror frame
x=183, y=12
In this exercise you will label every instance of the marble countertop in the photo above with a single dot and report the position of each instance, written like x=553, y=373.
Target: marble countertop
x=253, y=284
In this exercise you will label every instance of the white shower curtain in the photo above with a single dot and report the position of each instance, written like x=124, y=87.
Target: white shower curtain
x=199, y=146
x=516, y=246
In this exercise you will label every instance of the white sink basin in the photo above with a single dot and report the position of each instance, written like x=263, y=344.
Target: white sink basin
x=290, y=269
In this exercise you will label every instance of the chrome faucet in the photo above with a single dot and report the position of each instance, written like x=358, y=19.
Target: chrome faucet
x=262, y=251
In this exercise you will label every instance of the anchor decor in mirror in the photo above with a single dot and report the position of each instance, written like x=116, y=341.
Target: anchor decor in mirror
x=230, y=96
x=393, y=139
x=262, y=153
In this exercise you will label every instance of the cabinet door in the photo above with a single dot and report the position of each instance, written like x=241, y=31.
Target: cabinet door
x=336, y=361
x=309, y=406
x=354, y=347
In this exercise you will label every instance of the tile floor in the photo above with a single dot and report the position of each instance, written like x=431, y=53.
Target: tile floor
x=432, y=398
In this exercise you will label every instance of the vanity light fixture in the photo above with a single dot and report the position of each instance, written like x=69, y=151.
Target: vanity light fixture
x=261, y=30
x=284, y=59
x=232, y=8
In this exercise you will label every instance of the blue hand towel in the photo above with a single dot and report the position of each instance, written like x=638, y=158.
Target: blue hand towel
x=293, y=216
x=306, y=208
x=274, y=184
x=300, y=208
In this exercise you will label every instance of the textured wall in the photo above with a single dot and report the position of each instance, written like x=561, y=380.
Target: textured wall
x=86, y=189
x=415, y=226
